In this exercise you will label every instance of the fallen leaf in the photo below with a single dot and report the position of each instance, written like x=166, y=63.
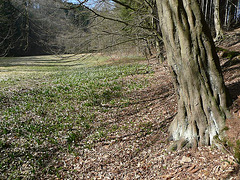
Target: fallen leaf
x=195, y=170
x=191, y=168
x=166, y=176
x=185, y=160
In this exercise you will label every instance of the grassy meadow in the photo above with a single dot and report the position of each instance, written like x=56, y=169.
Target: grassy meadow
x=50, y=105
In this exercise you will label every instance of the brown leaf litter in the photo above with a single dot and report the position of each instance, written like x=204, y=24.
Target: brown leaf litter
x=134, y=153
x=137, y=149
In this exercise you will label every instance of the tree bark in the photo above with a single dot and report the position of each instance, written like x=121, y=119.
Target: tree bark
x=202, y=97
x=226, y=13
x=217, y=21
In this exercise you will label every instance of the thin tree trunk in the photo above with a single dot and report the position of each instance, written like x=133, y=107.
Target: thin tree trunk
x=230, y=15
x=210, y=13
x=160, y=56
x=148, y=46
x=233, y=12
x=26, y=28
x=238, y=11
x=206, y=9
x=226, y=14
x=202, y=98
x=203, y=5
x=217, y=21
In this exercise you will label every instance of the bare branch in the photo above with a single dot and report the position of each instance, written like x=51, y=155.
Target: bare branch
x=117, y=20
x=125, y=5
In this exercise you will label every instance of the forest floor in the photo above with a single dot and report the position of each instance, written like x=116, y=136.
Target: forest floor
x=66, y=120
x=137, y=154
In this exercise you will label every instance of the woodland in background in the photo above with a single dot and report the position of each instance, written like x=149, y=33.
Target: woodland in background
x=35, y=27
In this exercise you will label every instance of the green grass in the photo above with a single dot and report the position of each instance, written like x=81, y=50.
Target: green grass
x=50, y=105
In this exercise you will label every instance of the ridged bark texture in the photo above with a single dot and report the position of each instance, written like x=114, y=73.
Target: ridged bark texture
x=202, y=99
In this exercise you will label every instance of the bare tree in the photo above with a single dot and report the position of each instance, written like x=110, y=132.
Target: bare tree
x=121, y=24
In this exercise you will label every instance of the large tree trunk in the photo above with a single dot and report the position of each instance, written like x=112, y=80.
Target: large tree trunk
x=202, y=99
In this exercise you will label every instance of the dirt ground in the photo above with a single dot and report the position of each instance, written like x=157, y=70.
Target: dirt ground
x=133, y=153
